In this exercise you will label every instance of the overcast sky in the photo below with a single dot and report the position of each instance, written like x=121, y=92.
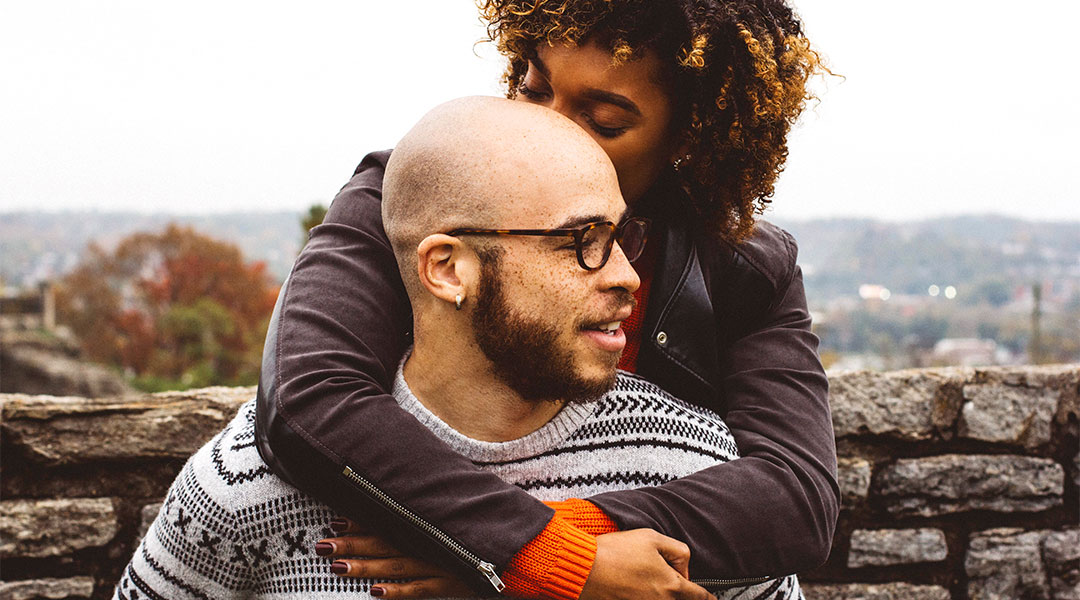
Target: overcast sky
x=947, y=106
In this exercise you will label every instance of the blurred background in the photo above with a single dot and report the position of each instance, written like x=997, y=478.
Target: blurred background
x=160, y=167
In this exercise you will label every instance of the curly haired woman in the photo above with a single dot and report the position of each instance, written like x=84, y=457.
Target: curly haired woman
x=692, y=100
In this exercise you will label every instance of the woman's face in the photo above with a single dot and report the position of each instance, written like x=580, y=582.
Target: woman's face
x=624, y=107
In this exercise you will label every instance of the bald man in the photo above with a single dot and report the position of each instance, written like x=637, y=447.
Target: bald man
x=513, y=243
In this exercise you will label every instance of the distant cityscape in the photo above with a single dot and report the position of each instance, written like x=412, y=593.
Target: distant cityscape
x=967, y=290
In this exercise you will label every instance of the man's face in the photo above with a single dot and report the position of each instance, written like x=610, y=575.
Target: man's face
x=550, y=328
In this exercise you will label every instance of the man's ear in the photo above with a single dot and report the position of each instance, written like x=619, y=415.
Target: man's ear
x=446, y=266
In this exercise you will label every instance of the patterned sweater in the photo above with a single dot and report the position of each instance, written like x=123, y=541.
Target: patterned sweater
x=229, y=528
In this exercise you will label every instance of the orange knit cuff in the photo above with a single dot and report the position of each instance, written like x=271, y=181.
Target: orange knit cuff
x=584, y=515
x=554, y=564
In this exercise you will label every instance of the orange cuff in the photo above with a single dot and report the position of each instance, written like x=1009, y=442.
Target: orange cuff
x=555, y=564
x=584, y=515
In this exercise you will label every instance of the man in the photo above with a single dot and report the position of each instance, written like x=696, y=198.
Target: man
x=508, y=227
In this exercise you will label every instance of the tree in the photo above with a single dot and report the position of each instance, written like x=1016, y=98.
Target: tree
x=174, y=309
x=315, y=215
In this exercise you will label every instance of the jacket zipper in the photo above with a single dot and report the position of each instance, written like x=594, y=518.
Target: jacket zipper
x=485, y=568
x=726, y=583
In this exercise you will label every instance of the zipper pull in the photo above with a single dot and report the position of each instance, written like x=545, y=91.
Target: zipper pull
x=488, y=570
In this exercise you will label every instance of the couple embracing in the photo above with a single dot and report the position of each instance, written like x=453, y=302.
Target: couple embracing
x=436, y=408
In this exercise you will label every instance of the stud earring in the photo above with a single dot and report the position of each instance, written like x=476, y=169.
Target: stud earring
x=458, y=300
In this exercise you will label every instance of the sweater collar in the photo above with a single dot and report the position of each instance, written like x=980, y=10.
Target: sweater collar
x=548, y=437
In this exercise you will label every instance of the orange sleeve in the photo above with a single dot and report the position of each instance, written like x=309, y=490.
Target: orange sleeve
x=584, y=515
x=556, y=563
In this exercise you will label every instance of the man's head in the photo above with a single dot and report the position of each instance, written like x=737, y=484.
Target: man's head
x=530, y=313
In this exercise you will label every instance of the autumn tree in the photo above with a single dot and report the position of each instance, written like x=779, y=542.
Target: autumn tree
x=173, y=309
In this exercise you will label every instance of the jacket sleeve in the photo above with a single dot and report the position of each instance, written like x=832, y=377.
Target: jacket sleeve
x=773, y=511
x=342, y=323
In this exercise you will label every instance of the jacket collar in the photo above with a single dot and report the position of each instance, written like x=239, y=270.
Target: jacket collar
x=678, y=349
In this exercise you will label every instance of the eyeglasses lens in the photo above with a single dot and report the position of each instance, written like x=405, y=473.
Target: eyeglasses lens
x=595, y=244
x=632, y=239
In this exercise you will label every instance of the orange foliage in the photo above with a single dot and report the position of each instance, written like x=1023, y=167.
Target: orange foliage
x=176, y=306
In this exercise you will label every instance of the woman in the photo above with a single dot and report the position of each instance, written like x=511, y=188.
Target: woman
x=692, y=100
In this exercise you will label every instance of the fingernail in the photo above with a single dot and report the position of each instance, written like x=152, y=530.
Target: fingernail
x=339, y=525
x=377, y=591
x=339, y=568
x=324, y=548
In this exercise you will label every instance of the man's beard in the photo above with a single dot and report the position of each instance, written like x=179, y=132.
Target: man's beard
x=524, y=351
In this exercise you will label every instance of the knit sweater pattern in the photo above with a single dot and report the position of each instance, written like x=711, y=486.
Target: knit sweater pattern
x=230, y=528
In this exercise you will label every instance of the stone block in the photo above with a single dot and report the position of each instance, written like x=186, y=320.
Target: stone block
x=853, y=475
x=1065, y=379
x=885, y=547
x=1006, y=563
x=47, y=589
x=1064, y=589
x=38, y=528
x=1061, y=559
x=874, y=591
x=63, y=431
x=146, y=518
x=954, y=483
x=1008, y=414
x=908, y=405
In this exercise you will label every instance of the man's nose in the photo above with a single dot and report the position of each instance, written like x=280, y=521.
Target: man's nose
x=618, y=272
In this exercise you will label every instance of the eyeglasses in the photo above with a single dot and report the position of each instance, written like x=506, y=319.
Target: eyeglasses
x=593, y=242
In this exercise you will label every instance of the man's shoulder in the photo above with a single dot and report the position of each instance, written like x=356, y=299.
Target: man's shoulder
x=228, y=470
x=229, y=526
x=226, y=487
x=232, y=455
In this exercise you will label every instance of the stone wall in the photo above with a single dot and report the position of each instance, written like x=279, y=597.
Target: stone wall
x=957, y=483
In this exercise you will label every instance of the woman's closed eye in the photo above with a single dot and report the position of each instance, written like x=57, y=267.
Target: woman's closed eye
x=603, y=130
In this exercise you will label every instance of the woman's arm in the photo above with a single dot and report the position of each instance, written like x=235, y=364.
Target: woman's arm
x=773, y=511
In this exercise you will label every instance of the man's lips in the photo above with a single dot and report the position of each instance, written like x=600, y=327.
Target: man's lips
x=608, y=333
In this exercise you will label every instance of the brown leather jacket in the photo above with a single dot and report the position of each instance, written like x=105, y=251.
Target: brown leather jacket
x=726, y=327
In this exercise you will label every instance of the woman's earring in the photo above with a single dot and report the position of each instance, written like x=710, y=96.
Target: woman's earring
x=679, y=161
x=458, y=300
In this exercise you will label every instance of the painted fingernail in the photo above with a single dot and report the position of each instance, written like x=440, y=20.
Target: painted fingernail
x=324, y=548
x=339, y=568
x=377, y=591
x=339, y=525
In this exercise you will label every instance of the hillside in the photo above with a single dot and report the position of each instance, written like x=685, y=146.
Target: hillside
x=976, y=254
x=36, y=246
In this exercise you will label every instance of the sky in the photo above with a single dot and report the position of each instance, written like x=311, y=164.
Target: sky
x=943, y=107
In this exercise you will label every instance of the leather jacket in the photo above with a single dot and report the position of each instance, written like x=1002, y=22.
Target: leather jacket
x=725, y=327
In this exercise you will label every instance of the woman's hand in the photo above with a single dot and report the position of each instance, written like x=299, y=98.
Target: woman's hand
x=357, y=553
x=639, y=564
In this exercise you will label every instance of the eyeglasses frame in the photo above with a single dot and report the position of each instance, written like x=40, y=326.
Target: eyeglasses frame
x=578, y=233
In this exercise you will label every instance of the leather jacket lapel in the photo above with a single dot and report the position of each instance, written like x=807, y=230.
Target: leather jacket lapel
x=678, y=348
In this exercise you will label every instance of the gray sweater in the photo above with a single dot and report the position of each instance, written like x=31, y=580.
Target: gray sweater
x=229, y=528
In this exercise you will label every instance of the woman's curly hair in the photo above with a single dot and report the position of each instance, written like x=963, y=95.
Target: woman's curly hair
x=737, y=71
